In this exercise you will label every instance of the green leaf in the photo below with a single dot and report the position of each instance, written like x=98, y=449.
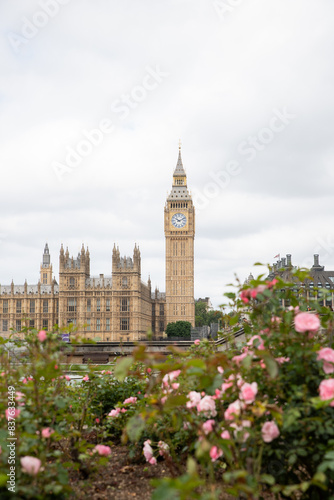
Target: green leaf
x=122, y=368
x=268, y=479
x=3, y=480
x=135, y=427
x=198, y=363
x=174, y=402
x=271, y=365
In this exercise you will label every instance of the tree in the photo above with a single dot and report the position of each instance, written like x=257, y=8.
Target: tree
x=205, y=317
x=179, y=329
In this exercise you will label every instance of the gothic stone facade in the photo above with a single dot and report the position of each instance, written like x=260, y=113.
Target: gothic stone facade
x=116, y=307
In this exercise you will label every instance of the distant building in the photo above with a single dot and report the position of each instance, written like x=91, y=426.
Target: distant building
x=319, y=278
x=207, y=302
x=119, y=306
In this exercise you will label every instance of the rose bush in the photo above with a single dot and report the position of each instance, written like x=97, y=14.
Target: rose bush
x=254, y=419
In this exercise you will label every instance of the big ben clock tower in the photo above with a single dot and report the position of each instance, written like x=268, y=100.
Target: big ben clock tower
x=180, y=234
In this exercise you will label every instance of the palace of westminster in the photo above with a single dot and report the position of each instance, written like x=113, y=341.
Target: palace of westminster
x=120, y=306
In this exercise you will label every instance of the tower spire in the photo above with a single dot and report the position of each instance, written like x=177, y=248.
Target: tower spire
x=179, y=170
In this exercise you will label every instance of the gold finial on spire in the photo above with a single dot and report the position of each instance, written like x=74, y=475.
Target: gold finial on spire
x=180, y=144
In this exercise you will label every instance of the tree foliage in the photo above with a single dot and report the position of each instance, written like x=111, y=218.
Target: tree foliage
x=179, y=329
x=205, y=317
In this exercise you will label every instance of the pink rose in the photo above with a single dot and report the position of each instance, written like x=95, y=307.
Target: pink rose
x=163, y=448
x=149, y=370
x=194, y=397
x=102, y=450
x=46, y=433
x=163, y=400
x=326, y=390
x=197, y=342
x=147, y=450
x=41, y=336
x=248, y=392
x=207, y=405
x=132, y=400
x=215, y=453
x=233, y=410
x=12, y=413
x=225, y=435
x=258, y=289
x=258, y=344
x=30, y=465
x=269, y=431
x=220, y=369
x=307, y=322
x=169, y=377
x=240, y=431
x=114, y=413
x=85, y=378
x=67, y=377
x=240, y=357
x=152, y=461
x=327, y=355
x=282, y=360
x=208, y=426
x=244, y=294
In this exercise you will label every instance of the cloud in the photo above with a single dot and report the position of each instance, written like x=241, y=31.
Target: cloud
x=226, y=78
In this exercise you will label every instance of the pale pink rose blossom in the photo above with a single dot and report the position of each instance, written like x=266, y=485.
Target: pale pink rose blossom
x=114, y=413
x=257, y=342
x=41, y=336
x=194, y=397
x=163, y=400
x=269, y=431
x=46, y=433
x=307, y=322
x=240, y=357
x=175, y=386
x=197, y=342
x=326, y=390
x=123, y=410
x=207, y=405
x=30, y=465
x=233, y=410
x=327, y=355
x=163, y=448
x=208, y=426
x=169, y=377
x=248, y=392
x=12, y=413
x=240, y=430
x=147, y=450
x=67, y=377
x=152, y=461
x=131, y=400
x=19, y=395
x=282, y=360
x=220, y=369
x=215, y=453
x=225, y=435
x=85, y=378
x=102, y=450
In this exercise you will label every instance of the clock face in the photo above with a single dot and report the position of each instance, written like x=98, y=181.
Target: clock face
x=179, y=220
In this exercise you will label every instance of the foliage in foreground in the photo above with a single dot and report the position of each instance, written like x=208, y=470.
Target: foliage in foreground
x=255, y=418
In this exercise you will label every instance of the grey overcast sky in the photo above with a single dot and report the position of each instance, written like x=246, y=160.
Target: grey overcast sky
x=94, y=96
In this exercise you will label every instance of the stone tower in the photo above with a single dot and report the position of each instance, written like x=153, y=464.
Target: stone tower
x=180, y=234
x=46, y=267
